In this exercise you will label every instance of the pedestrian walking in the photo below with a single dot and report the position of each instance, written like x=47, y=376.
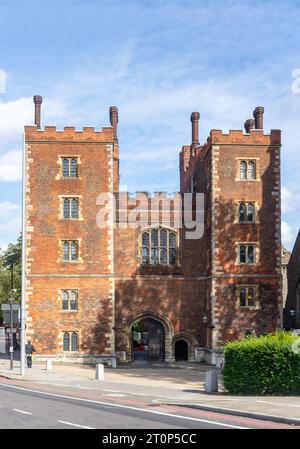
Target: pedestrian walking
x=29, y=349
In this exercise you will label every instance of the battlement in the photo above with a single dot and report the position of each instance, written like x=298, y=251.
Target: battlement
x=141, y=195
x=69, y=133
x=253, y=137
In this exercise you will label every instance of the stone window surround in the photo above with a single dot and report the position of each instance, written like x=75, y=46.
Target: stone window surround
x=59, y=166
x=256, y=297
x=256, y=254
x=247, y=159
x=256, y=212
x=158, y=227
x=61, y=207
x=70, y=335
x=60, y=249
x=68, y=289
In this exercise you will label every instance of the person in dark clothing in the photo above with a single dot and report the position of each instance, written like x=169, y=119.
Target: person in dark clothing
x=29, y=349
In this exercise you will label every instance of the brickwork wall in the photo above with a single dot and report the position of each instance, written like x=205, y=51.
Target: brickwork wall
x=46, y=272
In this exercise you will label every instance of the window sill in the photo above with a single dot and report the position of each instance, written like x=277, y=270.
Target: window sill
x=69, y=311
x=250, y=307
x=71, y=352
x=149, y=265
x=246, y=222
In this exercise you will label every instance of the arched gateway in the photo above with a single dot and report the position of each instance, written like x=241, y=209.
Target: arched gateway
x=150, y=338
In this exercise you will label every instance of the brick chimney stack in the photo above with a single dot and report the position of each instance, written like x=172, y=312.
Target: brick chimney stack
x=258, y=116
x=114, y=118
x=249, y=124
x=195, y=128
x=38, y=100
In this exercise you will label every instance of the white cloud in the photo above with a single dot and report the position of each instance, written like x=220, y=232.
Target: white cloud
x=287, y=200
x=11, y=166
x=11, y=228
x=287, y=234
x=6, y=208
x=14, y=115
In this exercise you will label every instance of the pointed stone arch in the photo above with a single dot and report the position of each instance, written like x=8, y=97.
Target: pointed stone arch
x=168, y=333
x=191, y=344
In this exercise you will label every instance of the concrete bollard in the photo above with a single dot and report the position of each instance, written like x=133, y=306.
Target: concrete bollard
x=99, y=371
x=114, y=362
x=48, y=364
x=211, y=381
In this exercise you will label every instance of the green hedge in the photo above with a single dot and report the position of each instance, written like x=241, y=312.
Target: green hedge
x=262, y=365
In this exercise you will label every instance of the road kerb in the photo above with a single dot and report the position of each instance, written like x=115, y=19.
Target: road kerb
x=235, y=412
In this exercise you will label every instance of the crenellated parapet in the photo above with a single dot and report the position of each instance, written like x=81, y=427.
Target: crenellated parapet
x=69, y=134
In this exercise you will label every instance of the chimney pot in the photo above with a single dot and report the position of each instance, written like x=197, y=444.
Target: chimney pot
x=258, y=116
x=195, y=116
x=114, y=118
x=249, y=124
x=38, y=100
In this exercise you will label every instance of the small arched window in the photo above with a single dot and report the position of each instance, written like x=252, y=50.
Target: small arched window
x=74, y=208
x=243, y=170
x=251, y=297
x=66, y=341
x=74, y=251
x=65, y=168
x=74, y=341
x=250, y=258
x=243, y=297
x=242, y=213
x=251, y=170
x=159, y=247
x=73, y=300
x=66, y=251
x=242, y=254
x=250, y=212
x=145, y=247
x=73, y=168
x=65, y=300
x=66, y=208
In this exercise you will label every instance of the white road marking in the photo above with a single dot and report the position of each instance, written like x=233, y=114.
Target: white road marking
x=279, y=403
x=118, y=391
x=116, y=395
x=110, y=404
x=75, y=425
x=21, y=411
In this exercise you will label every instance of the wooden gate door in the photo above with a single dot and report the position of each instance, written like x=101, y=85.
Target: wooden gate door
x=156, y=341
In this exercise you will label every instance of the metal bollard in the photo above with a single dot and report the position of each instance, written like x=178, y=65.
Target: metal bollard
x=99, y=371
x=211, y=381
x=48, y=364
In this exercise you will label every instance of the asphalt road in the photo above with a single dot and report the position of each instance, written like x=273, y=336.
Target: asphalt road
x=24, y=407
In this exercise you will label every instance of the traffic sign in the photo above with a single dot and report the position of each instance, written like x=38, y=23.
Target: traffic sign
x=6, y=307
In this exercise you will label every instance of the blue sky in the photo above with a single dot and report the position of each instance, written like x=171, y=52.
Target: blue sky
x=157, y=61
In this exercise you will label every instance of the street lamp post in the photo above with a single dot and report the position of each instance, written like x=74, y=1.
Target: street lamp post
x=11, y=346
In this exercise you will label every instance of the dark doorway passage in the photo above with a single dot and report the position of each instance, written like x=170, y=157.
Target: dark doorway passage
x=181, y=350
x=148, y=340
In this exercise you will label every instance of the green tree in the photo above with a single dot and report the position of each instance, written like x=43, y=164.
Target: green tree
x=10, y=272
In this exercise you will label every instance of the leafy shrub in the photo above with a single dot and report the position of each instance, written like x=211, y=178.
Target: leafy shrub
x=262, y=365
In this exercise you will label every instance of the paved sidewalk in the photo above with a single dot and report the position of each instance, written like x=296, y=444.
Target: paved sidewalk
x=160, y=385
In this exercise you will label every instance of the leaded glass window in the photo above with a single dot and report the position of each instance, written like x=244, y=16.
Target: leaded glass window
x=161, y=245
